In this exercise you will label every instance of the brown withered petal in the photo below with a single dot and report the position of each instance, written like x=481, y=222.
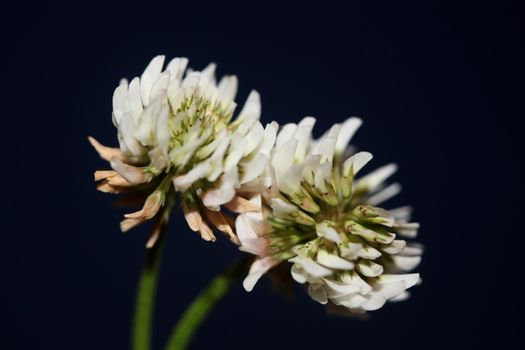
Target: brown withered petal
x=221, y=223
x=196, y=223
x=150, y=208
x=132, y=174
x=206, y=232
x=104, y=174
x=241, y=205
x=106, y=187
x=105, y=152
x=192, y=216
x=119, y=181
x=229, y=219
x=127, y=224
x=112, y=177
x=155, y=232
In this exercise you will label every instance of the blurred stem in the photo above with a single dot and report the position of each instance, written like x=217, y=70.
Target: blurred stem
x=202, y=305
x=145, y=300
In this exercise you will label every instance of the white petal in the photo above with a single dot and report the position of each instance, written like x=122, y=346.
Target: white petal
x=310, y=165
x=374, y=179
x=311, y=267
x=250, y=241
x=328, y=232
x=150, y=75
x=158, y=159
x=286, y=133
x=181, y=155
x=177, y=66
x=303, y=135
x=298, y=274
x=270, y=134
x=127, y=129
x=332, y=132
x=384, y=195
x=401, y=213
x=244, y=125
x=368, y=252
x=252, y=107
x=228, y=88
x=163, y=131
x=217, y=158
x=356, y=162
x=120, y=97
x=390, y=290
x=236, y=151
x=254, y=138
x=326, y=149
x=283, y=159
x=354, y=279
x=160, y=86
x=333, y=261
x=183, y=182
x=147, y=125
x=369, y=268
x=346, y=133
x=408, y=230
x=401, y=297
x=406, y=263
x=338, y=289
x=282, y=209
x=258, y=268
x=412, y=249
x=208, y=72
x=318, y=294
x=176, y=96
x=224, y=192
x=395, y=247
x=350, y=301
x=134, y=99
x=350, y=250
x=374, y=302
x=291, y=181
x=322, y=174
x=254, y=168
x=191, y=82
x=410, y=279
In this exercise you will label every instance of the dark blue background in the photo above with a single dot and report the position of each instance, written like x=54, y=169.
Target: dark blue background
x=439, y=86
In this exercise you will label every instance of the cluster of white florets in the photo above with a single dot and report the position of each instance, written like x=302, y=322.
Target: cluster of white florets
x=325, y=221
x=289, y=198
x=176, y=134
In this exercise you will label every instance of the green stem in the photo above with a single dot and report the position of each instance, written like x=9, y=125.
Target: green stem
x=145, y=301
x=202, y=305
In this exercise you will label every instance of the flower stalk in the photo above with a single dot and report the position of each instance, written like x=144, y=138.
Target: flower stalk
x=145, y=301
x=147, y=288
x=203, y=304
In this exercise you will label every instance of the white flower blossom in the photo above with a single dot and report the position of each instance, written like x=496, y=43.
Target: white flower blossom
x=176, y=135
x=324, y=220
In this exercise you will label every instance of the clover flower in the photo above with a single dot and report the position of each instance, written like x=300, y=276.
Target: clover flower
x=176, y=135
x=326, y=221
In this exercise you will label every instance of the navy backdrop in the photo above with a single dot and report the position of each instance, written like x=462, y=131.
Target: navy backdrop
x=439, y=87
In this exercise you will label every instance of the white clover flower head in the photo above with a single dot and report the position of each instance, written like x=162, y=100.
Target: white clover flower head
x=176, y=135
x=326, y=221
